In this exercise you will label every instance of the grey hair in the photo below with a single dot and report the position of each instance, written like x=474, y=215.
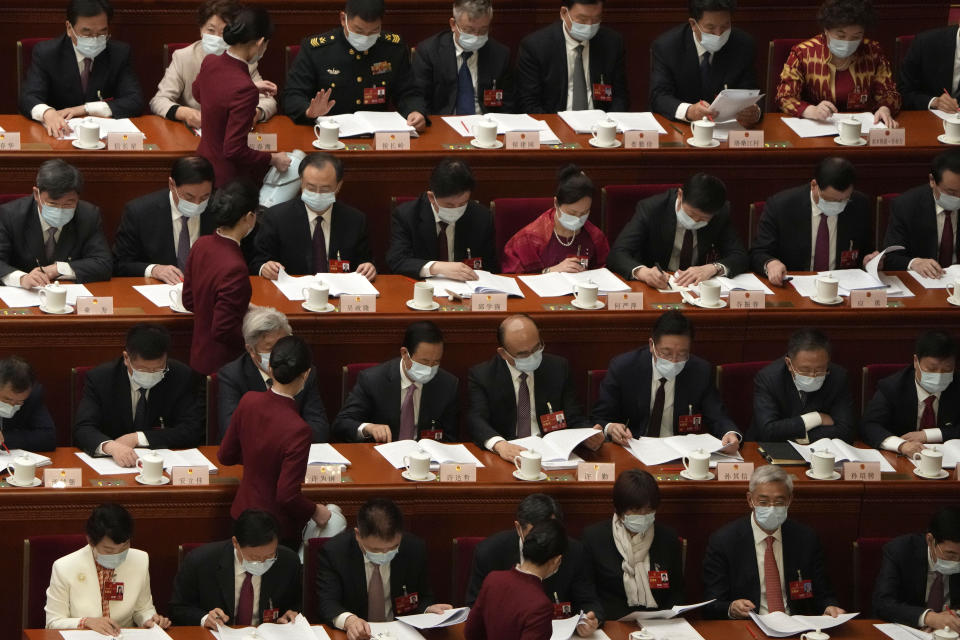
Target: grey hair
x=59, y=178
x=260, y=321
x=771, y=473
x=473, y=8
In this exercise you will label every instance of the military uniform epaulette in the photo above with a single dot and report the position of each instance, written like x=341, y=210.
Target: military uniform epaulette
x=392, y=38
x=323, y=40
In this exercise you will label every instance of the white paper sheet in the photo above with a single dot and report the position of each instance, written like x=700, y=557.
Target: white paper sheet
x=552, y=285
x=584, y=121
x=730, y=102
x=395, y=630
x=673, y=629
x=181, y=458
x=367, y=123
x=107, y=126
x=448, y=618
x=721, y=130
x=486, y=282
x=744, y=281
x=556, y=448
x=158, y=294
x=153, y=633
x=805, y=285
x=902, y=632
x=657, y=451
x=779, y=625
x=663, y=614
x=818, y=128
x=16, y=297
x=6, y=459
x=853, y=280
x=564, y=629
x=895, y=286
x=394, y=452
x=950, y=274
x=105, y=466
x=324, y=453
x=351, y=284
x=299, y=629
x=842, y=452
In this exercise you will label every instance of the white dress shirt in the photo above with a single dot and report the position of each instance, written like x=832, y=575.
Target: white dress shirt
x=193, y=228
x=368, y=569
x=571, y=49
x=12, y=279
x=323, y=217
x=425, y=269
x=666, y=419
x=831, y=230
x=760, y=543
x=405, y=383
x=674, y=263
x=941, y=221
x=472, y=68
x=99, y=108
x=956, y=74
x=681, y=113
x=239, y=575
x=892, y=443
x=134, y=398
x=534, y=423
x=931, y=576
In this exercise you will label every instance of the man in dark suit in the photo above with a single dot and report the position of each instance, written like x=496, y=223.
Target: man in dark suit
x=571, y=585
x=819, y=226
x=920, y=576
x=763, y=562
x=462, y=71
x=574, y=64
x=443, y=230
x=918, y=404
x=406, y=398
x=25, y=422
x=687, y=231
x=681, y=398
x=314, y=233
x=803, y=396
x=206, y=593
x=53, y=234
x=373, y=573
x=694, y=62
x=81, y=73
x=262, y=328
x=924, y=220
x=158, y=229
x=929, y=68
x=142, y=399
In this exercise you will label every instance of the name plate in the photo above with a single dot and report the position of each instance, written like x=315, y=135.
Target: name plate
x=10, y=141
x=522, y=140
x=323, y=474
x=262, y=141
x=190, y=476
x=125, y=142
x=454, y=472
x=392, y=141
x=874, y=299
x=740, y=299
x=887, y=137
x=596, y=472
x=488, y=302
x=641, y=139
x=629, y=301
x=745, y=140
x=358, y=304
x=88, y=306
x=734, y=471
x=62, y=478
x=861, y=471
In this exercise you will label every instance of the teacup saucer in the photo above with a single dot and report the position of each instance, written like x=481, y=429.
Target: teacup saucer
x=703, y=305
x=100, y=145
x=859, y=143
x=940, y=476
x=686, y=474
x=66, y=310
x=433, y=306
x=431, y=476
x=539, y=478
x=497, y=144
x=326, y=309
x=953, y=301
x=593, y=143
x=693, y=143
x=36, y=482
x=163, y=480
x=579, y=305
x=340, y=145
x=834, y=476
x=836, y=300
x=943, y=138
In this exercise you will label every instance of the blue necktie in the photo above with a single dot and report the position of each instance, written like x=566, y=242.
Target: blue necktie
x=466, y=96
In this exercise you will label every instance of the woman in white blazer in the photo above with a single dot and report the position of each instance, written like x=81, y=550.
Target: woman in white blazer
x=77, y=600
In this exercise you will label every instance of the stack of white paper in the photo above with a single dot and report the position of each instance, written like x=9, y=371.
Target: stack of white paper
x=818, y=128
x=506, y=123
x=902, y=632
x=585, y=121
x=105, y=466
x=853, y=280
x=158, y=294
x=744, y=281
x=351, y=284
x=565, y=628
x=394, y=452
x=552, y=285
x=779, y=625
x=842, y=452
x=323, y=453
x=15, y=297
x=153, y=633
x=107, y=126
x=656, y=451
x=673, y=629
x=393, y=631
x=662, y=614
x=181, y=458
x=299, y=629
x=895, y=286
x=730, y=102
x=6, y=459
x=556, y=448
x=951, y=274
x=486, y=282
x=367, y=123
x=448, y=618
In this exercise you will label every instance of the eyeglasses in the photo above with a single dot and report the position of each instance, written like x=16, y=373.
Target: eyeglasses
x=763, y=502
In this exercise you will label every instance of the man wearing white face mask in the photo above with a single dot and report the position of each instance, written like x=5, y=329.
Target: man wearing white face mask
x=573, y=64
x=763, y=563
x=143, y=399
x=83, y=72
x=25, y=422
x=406, y=398
x=817, y=226
x=918, y=404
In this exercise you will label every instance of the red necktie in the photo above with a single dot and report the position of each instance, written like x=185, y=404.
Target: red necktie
x=244, y=613
x=443, y=251
x=928, y=419
x=686, y=250
x=821, y=254
x=85, y=74
x=376, y=612
x=523, y=407
x=408, y=425
x=935, y=599
x=946, y=241
x=320, y=263
x=771, y=578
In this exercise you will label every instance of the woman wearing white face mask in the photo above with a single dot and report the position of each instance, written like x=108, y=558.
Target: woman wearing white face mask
x=561, y=239
x=838, y=70
x=174, y=99
x=636, y=561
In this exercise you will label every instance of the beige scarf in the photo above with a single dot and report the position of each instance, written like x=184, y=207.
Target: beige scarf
x=635, y=551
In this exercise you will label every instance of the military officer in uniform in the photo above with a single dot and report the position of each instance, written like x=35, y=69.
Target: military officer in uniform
x=354, y=68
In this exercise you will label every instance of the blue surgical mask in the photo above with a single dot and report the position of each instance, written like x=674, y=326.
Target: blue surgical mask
x=361, y=42
x=90, y=46
x=571, y=222
x=111, y=560
x=421, y=373
x=583, y=32
x=946, y=567
x=947, y=202
x=471, y=42
x=530, y=363
x=831, y=208
x=191, y=209
x=808, y=384
x=264, y=361
x=381, y=558
x=213, y=44
x=7, y=411
x=770, y=518
x=639, y=523
x=668, y=368
x=711, y=42
x=687, y=222
x=57, y=217
x=843, y=48
x=318, y=202
x=935, y=382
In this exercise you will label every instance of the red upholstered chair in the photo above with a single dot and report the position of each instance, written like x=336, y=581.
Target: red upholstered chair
x=882, y=218
x=512, y=214
x=954, y=16
x=900, y=48
x=872, y=374
x=396, y=201
x=169, y=48
x=39, y=554
x=618, y=202
x=756, y=212
x=349, y=377
x=867, y=555
x=594, y=380
x=310, y=579
x=10, y=197
x=25, y=57
x=735, y=384
x=463, y=549
x=213, y=410
x=290, y=53
x=777, y=53
x=185, y=548
x=78, y=377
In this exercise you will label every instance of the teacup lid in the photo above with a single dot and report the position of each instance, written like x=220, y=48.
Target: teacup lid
x=946, y=632
x=55, y=285
x=23, y=459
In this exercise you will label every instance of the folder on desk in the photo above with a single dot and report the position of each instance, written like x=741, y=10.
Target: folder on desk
x=780, y=453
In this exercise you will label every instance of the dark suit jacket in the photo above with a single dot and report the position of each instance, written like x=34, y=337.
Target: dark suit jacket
x=913, y=224
x=927, y=68
x=106, y=411
x=81, y=243
x=625, y=394
x=54, y=79
x=31, y=428
x=493, y=402
x=341, y=578
x=284, y=236
x=542, y=70
x=413, y=240
x=730, y=568
x=435, y=75
x=777, y=406
x=242, y=375
x=893, y=409
x=648, y=238
x=676, y=69
x=606, y=562
x=572, y=583
x=146, y=233
x=205, y=581
x=376, y=399
x=786, y=229
x=900, y=591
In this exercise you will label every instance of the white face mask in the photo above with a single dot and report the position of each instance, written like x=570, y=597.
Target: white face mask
x=530, y=363
x=935, y=382
x=571, y=222
x=111, y=560
x=945, y=567
x=831, y=208
x=770, y=518
x=668, y=368
x=808, y=384
x=687, y=222
x=7, y=411
x=711, y=42
x=213, y=44
x=264, y=361
x=639, y=523
x=256, y=567
x=147, y=379
x=843, y=48
x=947, y=201
x=361, y=42
x=90, y=46
x=421, y=373
x=582, y=32
x=450, y=215
x=191, y=209
x=469, y=41
x=319, y=202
